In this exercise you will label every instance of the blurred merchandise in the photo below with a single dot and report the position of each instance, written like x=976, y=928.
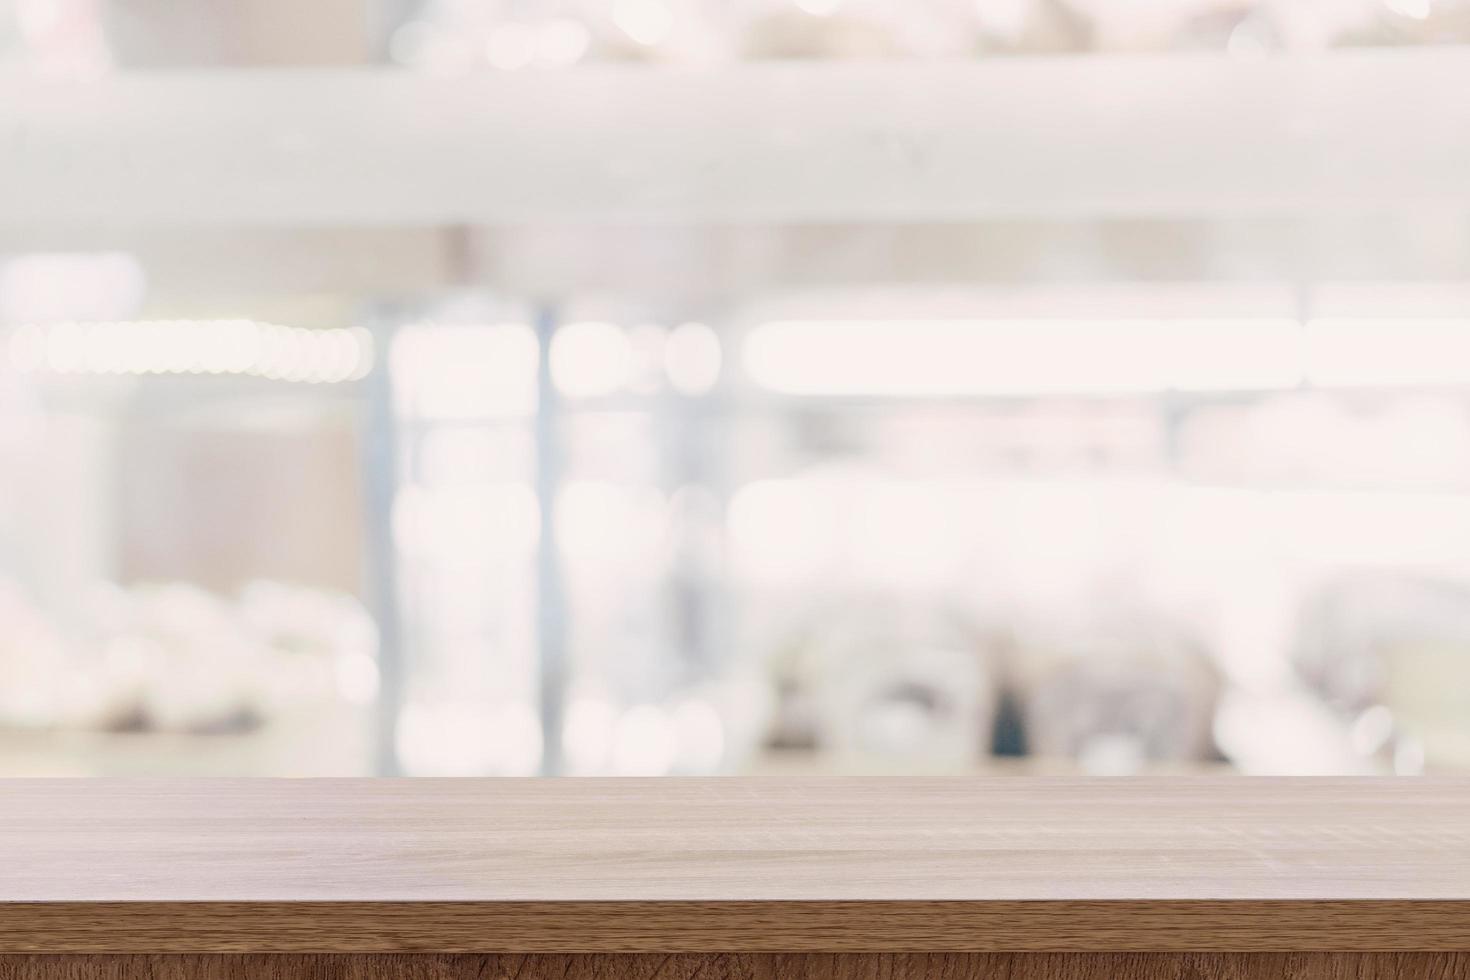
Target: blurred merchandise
x=1390, y=654
x=449, y=37
x=1113, y=692
x=31, y=651
x=82, y=38
x=172, y=658
x=896, y=688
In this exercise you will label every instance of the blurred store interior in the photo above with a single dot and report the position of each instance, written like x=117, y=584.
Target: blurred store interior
x=757, y=387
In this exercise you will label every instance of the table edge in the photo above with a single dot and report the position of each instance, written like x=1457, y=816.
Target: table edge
x=1327, y=925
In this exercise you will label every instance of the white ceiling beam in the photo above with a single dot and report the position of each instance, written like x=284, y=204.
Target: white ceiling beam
x=1145, y=136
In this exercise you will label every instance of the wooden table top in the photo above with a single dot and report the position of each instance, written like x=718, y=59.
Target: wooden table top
x=734, y=864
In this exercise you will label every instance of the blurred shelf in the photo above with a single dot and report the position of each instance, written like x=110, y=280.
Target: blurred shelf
x=810, y=765
x=1155, y=136
x=335, y=743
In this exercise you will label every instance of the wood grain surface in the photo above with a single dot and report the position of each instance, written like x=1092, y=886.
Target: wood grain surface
x=733, y=865
x=952, y=966
x=732, y=839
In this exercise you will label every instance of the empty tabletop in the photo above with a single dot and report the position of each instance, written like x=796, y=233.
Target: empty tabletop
x=733, y=864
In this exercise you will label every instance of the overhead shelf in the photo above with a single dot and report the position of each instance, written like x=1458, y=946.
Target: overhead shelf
x=1087, y=136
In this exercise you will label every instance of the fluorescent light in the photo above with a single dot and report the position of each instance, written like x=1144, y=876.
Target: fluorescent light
x=692, y=358
x=243, y=347
x=1367, y=352
x=454, y=371
x=591, y=359
x=1023, y=356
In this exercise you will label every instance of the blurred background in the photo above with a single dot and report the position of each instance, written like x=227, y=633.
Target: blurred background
x=503, y=387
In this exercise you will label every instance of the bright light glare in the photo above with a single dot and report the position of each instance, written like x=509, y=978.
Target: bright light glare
x=587, y=734
x=1005, y=357
x=692, y=358
x=1044, y=355
x=1282, y=734
x=647, y=22
x=886, y=533
x=1415, y=9
x=465, y=739
x=646, y=342
x=1358, y=351
x=598, y=522
x=357, y=676
x=465, y=371
x=517, y=733
x=590, y=359
x=784, y=530
x=247, y=347
x=562, y=41
x=701, y=736
x=468, y=526
x=510, y=46
x=445, y=740
x=643, y=742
